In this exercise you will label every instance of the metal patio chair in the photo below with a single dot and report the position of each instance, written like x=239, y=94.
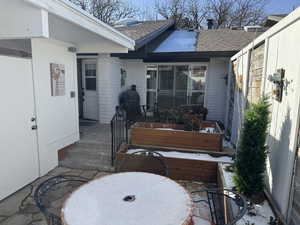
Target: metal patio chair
x=143, y=161
x=226, y=206
x=51, y=194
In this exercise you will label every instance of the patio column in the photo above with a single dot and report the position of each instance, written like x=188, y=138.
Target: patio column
x=108, y=85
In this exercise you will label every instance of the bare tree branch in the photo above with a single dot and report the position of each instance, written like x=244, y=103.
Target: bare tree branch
x=236, y=13
x=108, y=11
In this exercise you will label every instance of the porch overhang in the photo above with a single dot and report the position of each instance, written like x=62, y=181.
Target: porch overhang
x=61, y=20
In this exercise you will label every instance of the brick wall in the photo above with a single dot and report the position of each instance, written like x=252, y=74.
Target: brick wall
x=255, y=74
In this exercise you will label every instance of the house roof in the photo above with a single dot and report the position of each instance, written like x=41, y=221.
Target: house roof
x=190, y=46
x=224, y=40
x=145, y=31
x=179, y=41
x=273, y=19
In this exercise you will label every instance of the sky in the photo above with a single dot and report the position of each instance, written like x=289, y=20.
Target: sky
x=273, y=6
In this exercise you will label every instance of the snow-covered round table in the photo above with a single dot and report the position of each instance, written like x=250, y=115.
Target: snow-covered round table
x=130, y=198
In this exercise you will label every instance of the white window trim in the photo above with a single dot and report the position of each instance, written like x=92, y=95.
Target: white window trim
x=190, y=65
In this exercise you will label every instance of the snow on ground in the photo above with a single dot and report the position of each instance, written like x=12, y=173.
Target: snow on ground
x=200, y=221
x=206, y=130
x=161, y=128
x=186, y=155
x=263, y=211
x=227, y=144
x=179, y=41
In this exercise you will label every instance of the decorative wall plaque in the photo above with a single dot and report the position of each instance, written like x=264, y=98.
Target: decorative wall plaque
x=58, y=85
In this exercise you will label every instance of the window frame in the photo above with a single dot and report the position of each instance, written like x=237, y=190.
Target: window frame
x=189, y=82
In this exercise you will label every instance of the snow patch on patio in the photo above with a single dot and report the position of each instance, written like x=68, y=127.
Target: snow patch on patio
x=262, y=211
x=179, y=41
x=192, y=156
x=206, y=130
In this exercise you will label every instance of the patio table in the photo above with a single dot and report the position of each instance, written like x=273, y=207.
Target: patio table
x=131, y=198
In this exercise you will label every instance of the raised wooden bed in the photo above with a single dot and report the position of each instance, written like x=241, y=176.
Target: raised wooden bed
x=179, y=168
x=174, y=135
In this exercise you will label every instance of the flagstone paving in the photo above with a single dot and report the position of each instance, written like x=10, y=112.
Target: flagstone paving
x=20, y=208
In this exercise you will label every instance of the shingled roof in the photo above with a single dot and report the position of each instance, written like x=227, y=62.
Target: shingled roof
x=145, y=29
x=224, y=40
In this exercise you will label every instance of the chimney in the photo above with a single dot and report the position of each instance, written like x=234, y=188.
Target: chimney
x=210, y=24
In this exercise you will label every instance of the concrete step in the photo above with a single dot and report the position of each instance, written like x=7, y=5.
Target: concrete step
x=87, y=163
x=89, y=145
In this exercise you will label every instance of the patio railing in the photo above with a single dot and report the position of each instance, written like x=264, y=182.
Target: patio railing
x=119, y=132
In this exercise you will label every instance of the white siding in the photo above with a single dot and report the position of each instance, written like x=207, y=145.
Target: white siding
x=284, y=52
x=109, y=86
x=282, y=42
x=215, y=94
x=136, y=74
x=57, y=117
x=240, y=102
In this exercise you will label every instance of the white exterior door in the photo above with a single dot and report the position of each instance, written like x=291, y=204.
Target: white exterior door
x=18, y=140
x=90, y=93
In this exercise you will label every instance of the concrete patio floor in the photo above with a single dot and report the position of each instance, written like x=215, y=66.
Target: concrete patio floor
x=89, y=158
x=93, y=151
x=20, y=208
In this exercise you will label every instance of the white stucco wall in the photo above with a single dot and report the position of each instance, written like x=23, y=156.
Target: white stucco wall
x=19, y=19
x=282, y=51
x=57, y=117
x=216, y=89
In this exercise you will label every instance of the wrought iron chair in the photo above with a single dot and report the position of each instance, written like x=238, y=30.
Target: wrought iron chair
x=50, y=195
x=143, y=161
x=226, y=206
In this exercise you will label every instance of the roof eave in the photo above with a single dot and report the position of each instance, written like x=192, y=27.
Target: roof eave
x=143, y=41
x=83, y=19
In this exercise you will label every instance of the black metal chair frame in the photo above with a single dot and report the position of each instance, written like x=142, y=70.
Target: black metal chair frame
x=153, y=154
x=240, y=201
x=44, y=187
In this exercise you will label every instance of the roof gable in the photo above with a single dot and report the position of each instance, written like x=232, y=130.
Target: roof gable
x=145, y=31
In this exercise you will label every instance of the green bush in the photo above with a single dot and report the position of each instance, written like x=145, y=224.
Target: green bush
x=251, y=154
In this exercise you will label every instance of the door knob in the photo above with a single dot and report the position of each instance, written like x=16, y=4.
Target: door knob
x=34, y=127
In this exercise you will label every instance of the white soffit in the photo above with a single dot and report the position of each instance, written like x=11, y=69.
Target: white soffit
x=77, y=16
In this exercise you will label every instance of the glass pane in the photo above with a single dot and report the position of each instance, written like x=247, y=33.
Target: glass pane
x=180, y=98
x=198, y=77
x=166, y=77
x=197, y=98
x=182, y=74
x=151, y=99
x=151, y=78
x=90, y=70
x=90, y=84
x=165, y=101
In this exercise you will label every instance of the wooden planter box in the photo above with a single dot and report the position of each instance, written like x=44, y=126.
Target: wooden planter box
x=179, y=168
x=173, y=135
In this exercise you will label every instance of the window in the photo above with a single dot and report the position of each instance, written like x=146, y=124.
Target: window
x=197, y=90
x=90, y=77
x=174, y=85
x=151, y=86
